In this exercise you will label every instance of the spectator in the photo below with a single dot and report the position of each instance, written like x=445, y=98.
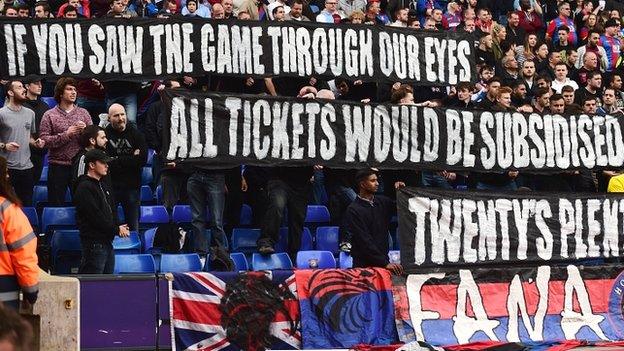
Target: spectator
x=218, y=12
x=278, y=13
x=18, y=126
x=60, y=128
x=590, y=64
x=557, y=104
x=401, y=19
x=484, y=53
x=562, y=44
x=562, y=20
x=296, y=12
x=440, y=20
x=519, y=97
x=484, y=21
x=430, y=24
x=80, y=6
x=23, y=11
x=42, y=10
x=530, y=17
x=503, y=100
x=593, y=40
x=590, y=24
x=591, y=89
x=18, y=262
x=128, y=150
x=509, y=73
x=515, y=33
x=590, y=106
x=228, y=9
x=10, y=12
x=287, y=188
x=542, y=100
x=348, y=6
x=611, y=43
x=92, y=137
x=453, y=15
x=609, y=105
x=562, y=79
x=69, y=12
x=492, y=92
x=463, y=97
x=33, y=94
x=368, y=221
x=373, y=13
x=145, y=8
x=616, y=84
x=330, y=14
x=548, y=67
x=527, y=76
x=96, y=217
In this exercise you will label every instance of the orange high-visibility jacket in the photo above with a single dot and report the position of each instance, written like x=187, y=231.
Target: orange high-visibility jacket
x=18, y=251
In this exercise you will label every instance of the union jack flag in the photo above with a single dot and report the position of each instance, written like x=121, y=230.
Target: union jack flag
x=194, y=300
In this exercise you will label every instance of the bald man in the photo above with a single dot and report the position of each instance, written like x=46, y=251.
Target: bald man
x=218, y=12
x=127, y=146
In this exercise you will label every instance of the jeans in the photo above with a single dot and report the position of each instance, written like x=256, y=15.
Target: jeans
x=174, y=185
x=59, y=178
x=97, y=258
x=130, y=200
x=128, y=101
x=93, y=106
x=282, y=195
x=319, y=195
x=341, y=197
x=433, y=180
x=207, y=189
x=23, y=182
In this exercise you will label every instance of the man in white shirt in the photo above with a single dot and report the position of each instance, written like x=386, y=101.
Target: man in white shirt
x=401, y=18
x=330, y=13
x=561, y=78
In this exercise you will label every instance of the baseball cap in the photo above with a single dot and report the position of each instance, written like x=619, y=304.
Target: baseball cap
x=96, y=155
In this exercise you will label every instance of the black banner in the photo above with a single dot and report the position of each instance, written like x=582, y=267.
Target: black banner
x=144, y=49
x=451, y=229
x=240, y=129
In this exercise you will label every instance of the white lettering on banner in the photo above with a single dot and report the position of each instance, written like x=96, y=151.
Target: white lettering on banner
x=527, y=298
x=178, y=131
x=467, y=230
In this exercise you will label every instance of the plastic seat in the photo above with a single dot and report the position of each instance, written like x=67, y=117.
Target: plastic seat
x=159, y=195
x=58, y=218
x=246, y=215
x=327, y=239
x=153, y=215
x=317, y=214
x=49, y=100
x=147, y=196
x=33, y=217
x=345, y=260
x=180, y=263
x=306, y=240
x=278, y=260
x=128, y=245
x=181, y=214
x=244, y=240
x=150, y=156
x=146, y=176
x=43, y=179
x=141, y=263
x=40, y=194
x=315, y=259
x=65, y=251
x=240, y=262
x=148, y=240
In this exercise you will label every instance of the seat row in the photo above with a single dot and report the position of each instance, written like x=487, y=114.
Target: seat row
x=146, y=263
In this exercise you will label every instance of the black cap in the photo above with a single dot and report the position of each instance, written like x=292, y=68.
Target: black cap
x=31, y=78
x=96, y=155
x=611, y=23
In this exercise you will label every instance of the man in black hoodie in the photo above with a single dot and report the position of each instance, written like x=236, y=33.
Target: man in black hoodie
x=96, y=217
x=127, y=146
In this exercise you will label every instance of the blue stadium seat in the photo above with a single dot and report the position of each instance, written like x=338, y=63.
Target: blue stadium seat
x=148, y=240
x=159, y=195
x=147, y=196
x=180, y=263
x=317, y=214
x=40, y=194
x=181, y=214
x=128, y=245
x=43, y=179
x=315, y=259
x=151, y=215
x=49, y=100
x=327, y=239
x=146, y=176
x=278, y=260
x=394, y=256
x=65, y=251
x=346, y=261
x=244, y=240
x=150, y=156
x=141, y=263
x=245, y=215
x=33, y=218
x=58, y=218
x=240, y=261
x=306, y=240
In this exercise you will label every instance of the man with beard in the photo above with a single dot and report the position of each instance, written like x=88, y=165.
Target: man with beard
x=92, y=137
x=17, y=127
x=33, y=85
x=593, y=39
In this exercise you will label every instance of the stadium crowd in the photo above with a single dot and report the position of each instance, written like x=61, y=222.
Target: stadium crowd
x=545, y=56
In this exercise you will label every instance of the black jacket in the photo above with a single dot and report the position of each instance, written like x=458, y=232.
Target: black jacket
x=368, y=226
x=96, y=215
x=125, y=169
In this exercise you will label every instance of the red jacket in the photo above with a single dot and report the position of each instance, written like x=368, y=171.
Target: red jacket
x=531, y=23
